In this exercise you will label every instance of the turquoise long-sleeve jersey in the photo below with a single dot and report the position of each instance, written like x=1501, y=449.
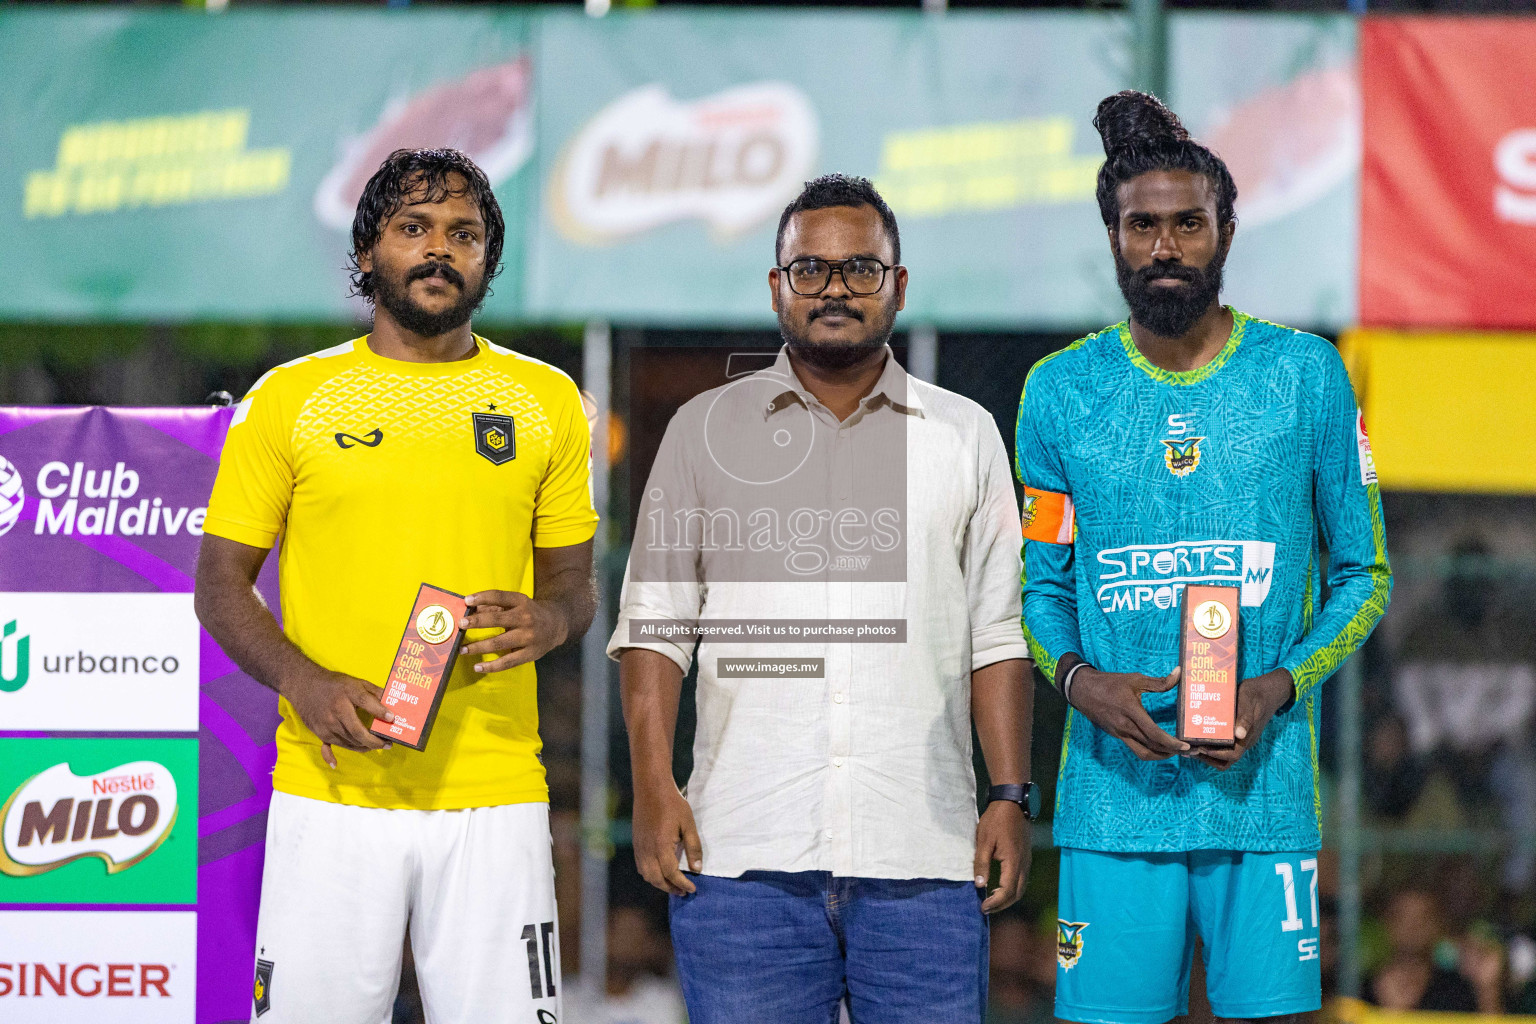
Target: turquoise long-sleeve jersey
x=1254, y=471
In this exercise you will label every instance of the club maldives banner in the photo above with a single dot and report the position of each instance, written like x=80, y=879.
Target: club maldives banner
x=134, y=756
x=1448, y=193
x=173, y=164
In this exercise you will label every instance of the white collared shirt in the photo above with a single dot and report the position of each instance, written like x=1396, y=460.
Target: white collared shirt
x=864, y=770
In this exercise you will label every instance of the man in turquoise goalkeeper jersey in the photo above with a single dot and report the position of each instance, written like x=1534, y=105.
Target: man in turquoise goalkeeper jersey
x=1193, y=443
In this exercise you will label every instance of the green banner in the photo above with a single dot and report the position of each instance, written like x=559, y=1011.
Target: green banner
x=175, y=165
x=666, y=163
x=98, y=821
x=1279, y=98
x=171, y=164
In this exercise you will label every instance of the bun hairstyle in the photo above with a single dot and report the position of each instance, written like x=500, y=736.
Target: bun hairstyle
x=1141, y=134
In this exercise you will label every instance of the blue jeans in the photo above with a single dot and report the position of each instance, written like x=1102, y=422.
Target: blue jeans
x=775, y=947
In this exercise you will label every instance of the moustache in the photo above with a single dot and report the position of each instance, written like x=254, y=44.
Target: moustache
x=442, y=270
x=837, y=307
x=1166, y=269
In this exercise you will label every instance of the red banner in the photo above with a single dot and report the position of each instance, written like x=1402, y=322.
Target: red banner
x=1448, y=186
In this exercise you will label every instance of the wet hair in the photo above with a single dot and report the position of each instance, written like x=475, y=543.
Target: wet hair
x=1140, y=135
x=839, y=190
x=421, y=176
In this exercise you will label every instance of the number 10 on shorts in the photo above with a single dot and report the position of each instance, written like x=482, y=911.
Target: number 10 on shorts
x=541, y=970
x=1306, y=948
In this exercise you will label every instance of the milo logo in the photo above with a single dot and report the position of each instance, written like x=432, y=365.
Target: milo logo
x=119, y=816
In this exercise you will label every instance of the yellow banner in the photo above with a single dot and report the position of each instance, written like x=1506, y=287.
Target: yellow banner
x=1447, y=412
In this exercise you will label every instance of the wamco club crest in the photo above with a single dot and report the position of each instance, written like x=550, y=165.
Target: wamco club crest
x=495, y=437
x=1069, y=942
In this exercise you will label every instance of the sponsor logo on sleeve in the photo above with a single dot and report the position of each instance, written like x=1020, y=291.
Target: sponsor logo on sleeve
x=1363, y=443
x=1141, y=576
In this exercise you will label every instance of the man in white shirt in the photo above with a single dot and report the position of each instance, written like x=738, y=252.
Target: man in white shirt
x=842, y=542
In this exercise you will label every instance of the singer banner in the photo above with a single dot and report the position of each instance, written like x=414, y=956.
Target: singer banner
x=134, y=755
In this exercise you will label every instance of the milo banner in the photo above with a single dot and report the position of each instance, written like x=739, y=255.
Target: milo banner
x=174, y=164
x=665, y=162
x=134, y=756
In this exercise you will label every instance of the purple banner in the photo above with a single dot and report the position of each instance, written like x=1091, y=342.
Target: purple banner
x=109, y=690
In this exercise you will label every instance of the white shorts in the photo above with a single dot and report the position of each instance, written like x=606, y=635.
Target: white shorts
x=477, y=888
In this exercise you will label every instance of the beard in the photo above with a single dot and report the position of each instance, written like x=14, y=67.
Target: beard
x=1169, y=313
x=837, y=355
x=394, y=295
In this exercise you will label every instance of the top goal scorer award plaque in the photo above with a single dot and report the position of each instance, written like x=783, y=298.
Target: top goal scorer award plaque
x=1207, y=703
x=419, y=676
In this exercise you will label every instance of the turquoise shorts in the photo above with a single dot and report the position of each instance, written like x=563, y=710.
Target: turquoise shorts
x=1127, y=924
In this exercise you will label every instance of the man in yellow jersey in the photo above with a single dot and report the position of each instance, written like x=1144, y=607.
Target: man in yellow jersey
x=367, y=459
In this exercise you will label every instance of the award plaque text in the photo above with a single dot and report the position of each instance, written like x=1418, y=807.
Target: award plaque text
x=419, y=676
x=1207, y=704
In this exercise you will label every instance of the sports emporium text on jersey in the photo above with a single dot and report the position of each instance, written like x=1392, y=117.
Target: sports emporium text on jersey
x=1140, y=575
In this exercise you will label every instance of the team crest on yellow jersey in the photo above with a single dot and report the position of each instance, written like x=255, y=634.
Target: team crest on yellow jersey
x=1182, y=456
x=495, y=437
x=1069, y=942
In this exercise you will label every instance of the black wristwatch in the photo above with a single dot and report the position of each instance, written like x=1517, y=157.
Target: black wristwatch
x=1027, y=796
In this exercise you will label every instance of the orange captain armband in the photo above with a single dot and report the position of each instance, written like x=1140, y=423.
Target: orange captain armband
x=1048, y=516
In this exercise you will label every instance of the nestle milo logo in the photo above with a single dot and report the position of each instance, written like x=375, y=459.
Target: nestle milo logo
x=120, y=816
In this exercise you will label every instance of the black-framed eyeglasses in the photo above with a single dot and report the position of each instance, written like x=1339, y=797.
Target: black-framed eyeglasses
x=863, y=275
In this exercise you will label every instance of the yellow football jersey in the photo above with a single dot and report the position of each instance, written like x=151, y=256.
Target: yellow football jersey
x=381, y=475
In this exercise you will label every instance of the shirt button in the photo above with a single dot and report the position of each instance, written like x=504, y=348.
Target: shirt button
x=837, y=762
x=837, y=698
x=829, y=833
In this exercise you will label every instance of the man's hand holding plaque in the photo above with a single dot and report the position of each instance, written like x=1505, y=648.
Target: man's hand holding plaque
x=328, y=703
x=528, y=628
x=1258, y=699
x=1112, y=701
